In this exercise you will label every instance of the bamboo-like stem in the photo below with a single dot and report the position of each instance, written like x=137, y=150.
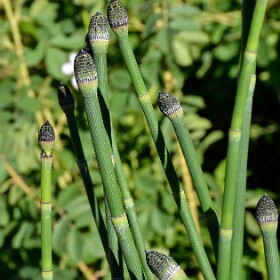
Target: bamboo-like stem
x=46, y=140
x=86, y=77
x=67, y=103
x=118, y=20
x=98, y=36
x=164, y=267
x=239, y=208
x=171, y=107
x=247, y=69
x=267, y=216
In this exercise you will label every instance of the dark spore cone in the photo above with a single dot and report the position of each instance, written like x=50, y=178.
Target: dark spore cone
x=65, y=98
x=84, y=68
x=117, y=15
x=161, y=265
x=46, y=133
x=98, y=29
x=168, y=103
x=266, y=210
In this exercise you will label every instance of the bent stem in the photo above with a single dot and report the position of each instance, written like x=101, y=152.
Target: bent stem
x=247, y=69
x=46, y=140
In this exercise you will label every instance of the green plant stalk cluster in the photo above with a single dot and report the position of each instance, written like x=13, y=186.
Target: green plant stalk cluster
x=67, y=103
x=247, y=69
x=98, y=36
x=267, y=216
x=46, y=140
x=118, y=20
x=86, y=77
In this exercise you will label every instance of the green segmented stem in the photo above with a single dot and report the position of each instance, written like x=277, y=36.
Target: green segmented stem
x=67, y=103
x=247, y=69
x=118, y=20
x=267, y=216
x=86, y=77
x=171, y=107
x=239, y=208
x=164, y=267
x=98, y=30
x=46, y=139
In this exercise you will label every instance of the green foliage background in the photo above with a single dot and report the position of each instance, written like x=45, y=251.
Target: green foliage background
x=187, y=47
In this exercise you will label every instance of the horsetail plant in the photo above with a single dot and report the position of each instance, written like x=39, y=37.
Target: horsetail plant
x=247, y=69
x=46, y=139
x=267, y=216
x=86, y=77
x=164, y=267
x=98, y=38
x=118, y=20
x=67, y=104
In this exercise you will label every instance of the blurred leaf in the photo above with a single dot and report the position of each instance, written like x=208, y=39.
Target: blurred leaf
x=34, y=55
x=179, y=24
x=75, y=41
x=43, y=11
x=75, y=244
x=54, y=60
x=60, y=231
x=120, y=79
x=185, y=10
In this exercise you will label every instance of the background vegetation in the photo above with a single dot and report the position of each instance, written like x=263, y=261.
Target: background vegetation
x=187, y=47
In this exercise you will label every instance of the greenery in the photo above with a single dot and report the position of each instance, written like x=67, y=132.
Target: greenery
x=189, y=48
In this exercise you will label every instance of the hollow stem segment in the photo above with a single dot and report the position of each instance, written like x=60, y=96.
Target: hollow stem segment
x=86, y=77
x=67, y=104
x=118, y=20
x=239, y=208
x=171, y=108
x=164, y=267
x=46, y=139
x=98, y=36
x=267, y=216
x=247, y=69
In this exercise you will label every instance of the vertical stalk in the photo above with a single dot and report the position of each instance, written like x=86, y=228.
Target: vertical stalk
x=46, y=140
x=118, y=20
x=239, y=207
x=267, y=216
x=86, y=77
x=98, y=36
x=67, y=103
x=247, y=69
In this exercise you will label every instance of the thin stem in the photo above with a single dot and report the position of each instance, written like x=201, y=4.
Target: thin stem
x=98, y=32
x=46, y=140
x=67, y=103
x=267, y=216
x=118, y=20
x=86, y=77
x=247, y=69
x=239, y=208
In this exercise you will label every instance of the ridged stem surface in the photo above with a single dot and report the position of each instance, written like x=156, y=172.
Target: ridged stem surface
x=247, y=69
